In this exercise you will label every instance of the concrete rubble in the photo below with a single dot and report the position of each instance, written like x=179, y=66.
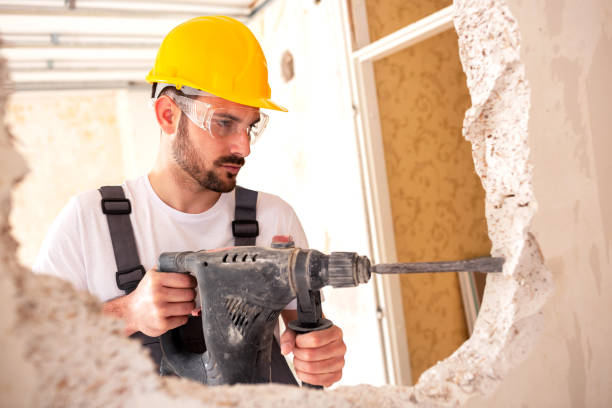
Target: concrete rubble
x=62, y=352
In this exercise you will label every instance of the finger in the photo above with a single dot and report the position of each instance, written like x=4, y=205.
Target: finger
x=176, y=295
x=177, y=309
x=331, y=365
x=335, y=349
x=196, y=312
x=320, y=379
x=319, y=338
x=176, y=280
x=175, y=321
x=287, y=342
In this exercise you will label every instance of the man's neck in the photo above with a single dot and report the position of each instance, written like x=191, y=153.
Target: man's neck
x=181, y=193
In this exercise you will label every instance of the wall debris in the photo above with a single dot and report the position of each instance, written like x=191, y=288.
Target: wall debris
x=64, y=353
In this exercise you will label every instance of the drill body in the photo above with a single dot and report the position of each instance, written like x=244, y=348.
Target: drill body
x=242, y=291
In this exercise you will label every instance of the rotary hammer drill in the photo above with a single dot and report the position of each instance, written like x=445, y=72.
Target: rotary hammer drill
x=244, y=289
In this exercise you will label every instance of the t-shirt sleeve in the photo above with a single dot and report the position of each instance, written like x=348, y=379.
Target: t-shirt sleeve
x=296, y=231
x=61, y=251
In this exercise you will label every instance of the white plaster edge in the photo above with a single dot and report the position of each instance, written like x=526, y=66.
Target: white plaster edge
x=510, y=319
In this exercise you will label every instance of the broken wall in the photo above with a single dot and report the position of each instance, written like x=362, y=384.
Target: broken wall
x=437, y=200
x=65, y=373
x=567, y=51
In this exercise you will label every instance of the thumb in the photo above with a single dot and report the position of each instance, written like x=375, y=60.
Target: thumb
x=287, y=342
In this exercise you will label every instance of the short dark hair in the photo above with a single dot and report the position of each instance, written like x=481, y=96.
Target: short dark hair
x=168, y=90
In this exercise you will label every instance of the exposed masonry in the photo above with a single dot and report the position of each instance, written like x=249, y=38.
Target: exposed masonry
x=62, y=352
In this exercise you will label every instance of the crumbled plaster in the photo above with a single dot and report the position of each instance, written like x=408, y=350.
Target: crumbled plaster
x=496, y=125
x=62, y=352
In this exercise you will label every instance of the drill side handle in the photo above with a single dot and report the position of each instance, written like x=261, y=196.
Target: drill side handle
x=310, y=319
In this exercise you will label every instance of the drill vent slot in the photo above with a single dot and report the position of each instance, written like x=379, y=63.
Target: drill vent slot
x=273, y=315
x=241, y=313
x=227, y=258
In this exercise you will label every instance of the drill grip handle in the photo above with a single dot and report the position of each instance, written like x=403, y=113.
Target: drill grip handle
x=303, y=328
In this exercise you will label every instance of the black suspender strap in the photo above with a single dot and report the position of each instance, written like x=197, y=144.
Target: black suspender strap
x=245, y=227
x=117, y=209
x=129, y=269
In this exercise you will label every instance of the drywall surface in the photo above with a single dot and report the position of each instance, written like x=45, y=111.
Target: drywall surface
x=567, y=51
x=80, y=359
x=74, y=141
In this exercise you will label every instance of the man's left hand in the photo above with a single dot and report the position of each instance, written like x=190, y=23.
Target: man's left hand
x=318, y=357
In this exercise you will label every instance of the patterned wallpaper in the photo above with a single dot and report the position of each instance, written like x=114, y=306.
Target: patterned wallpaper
x=437, y=200
x=385, y=17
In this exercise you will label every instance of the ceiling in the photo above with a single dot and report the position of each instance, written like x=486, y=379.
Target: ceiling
x=85, y=44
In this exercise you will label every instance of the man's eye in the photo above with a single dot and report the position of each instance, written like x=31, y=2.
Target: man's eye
x=223, y=123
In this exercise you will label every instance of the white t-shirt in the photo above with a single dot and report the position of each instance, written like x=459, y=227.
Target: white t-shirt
x=78, y=246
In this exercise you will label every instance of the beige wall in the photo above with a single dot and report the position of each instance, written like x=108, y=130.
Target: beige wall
x=71, y=142
x=74, y=141
x=567, y=50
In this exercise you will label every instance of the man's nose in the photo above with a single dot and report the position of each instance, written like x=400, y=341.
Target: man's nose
x=241, y=143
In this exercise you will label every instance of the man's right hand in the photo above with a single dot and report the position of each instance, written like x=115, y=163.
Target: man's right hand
x=161, y=302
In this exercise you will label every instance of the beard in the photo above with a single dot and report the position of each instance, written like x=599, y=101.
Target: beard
x=186, y=156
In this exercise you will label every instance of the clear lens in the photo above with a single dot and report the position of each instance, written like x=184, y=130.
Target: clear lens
x=225, y=122
x=196, y=111
x=222, y=123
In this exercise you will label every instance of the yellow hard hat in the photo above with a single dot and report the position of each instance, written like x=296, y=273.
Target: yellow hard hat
x=218, y=55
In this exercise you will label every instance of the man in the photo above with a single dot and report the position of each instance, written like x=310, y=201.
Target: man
x=209, y=83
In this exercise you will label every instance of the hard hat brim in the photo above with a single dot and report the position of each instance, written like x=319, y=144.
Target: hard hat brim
x=263, y=103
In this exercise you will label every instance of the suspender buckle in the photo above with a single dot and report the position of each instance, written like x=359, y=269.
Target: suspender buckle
x=245, y=228
x=116, y=206
x=128, y=279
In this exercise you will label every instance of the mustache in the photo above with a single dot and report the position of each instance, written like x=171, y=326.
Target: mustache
x=229, y=160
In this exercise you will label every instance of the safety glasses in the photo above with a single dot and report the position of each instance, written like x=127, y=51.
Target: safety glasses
x=222, y=123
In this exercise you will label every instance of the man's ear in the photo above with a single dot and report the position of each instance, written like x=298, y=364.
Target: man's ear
x=167, y=114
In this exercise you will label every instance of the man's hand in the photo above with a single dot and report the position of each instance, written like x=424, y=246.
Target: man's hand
x=318, y=356
x=161, y=302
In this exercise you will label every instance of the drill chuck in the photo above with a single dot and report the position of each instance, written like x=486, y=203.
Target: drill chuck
x=347, y=269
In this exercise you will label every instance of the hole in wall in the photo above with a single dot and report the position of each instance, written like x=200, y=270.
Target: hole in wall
x=497, y=335
x=437, y=200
